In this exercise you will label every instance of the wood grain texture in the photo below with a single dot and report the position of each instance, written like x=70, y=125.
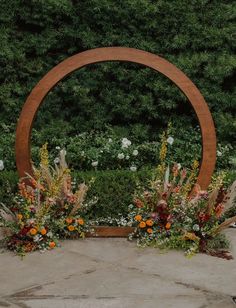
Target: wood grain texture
x=107, y=231
x=60, y=71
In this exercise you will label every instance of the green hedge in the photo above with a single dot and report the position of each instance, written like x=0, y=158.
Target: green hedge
x=113, y=188
x=197, y=36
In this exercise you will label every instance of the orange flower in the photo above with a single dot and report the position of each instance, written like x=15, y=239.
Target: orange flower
x=168, y=225
x=138, y=217
x=149, y=222
x=80, y=221
x=19, y=216
x=149, y=230
x=43, y=231
x=219, y=209
x=33, y=231
x=142, y=224
x=69, y=220
x=71, y=228
x=52, y=245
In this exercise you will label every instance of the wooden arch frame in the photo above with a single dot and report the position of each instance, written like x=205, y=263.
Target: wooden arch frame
x=56, y=74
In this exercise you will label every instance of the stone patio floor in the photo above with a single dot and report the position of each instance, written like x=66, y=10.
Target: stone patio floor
x=94, y=273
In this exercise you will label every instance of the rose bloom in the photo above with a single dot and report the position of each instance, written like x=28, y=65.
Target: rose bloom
x=149, y=230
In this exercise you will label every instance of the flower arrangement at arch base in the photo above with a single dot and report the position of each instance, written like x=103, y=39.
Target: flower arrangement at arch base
x=171, y=214
x=45, y=209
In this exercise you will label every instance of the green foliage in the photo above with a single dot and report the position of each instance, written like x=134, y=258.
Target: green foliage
x=197, y=36
x=8, y=186
x=113, y=188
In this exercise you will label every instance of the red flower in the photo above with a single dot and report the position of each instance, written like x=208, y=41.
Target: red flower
x=24, y=231
x=203, y=217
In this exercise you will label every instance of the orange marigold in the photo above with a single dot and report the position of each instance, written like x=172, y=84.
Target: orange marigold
x=71, y=228
x=138, y=217
x=149, y=230
x=43, y=231
x=80, y=221
x=149, y=222
x=142, y=224
x=33, y=231
x=52, y=245
x=168, y=225
x=69, y=220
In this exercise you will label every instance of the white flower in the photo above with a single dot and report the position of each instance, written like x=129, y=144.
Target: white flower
x=49, y=234
x=58, y=148
x=133, y=168
x=121, y=156
x=170, y=140
x=94, y=163
x=135, y=152
x=127, y=157
x=1, y=165
x=179, y=166
x=125, y=143
x=196, y=227
x=219, y=153
x=56, y=160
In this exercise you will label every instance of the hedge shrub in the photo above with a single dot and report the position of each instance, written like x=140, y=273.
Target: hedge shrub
x=196, y=36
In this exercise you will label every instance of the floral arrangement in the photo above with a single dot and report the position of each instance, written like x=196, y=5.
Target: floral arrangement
x=170, y=213
x=45, y=209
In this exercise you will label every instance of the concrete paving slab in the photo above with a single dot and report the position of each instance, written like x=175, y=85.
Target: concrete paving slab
x=115, y=273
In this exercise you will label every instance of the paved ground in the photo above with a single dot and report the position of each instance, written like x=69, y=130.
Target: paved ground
x=106, y=273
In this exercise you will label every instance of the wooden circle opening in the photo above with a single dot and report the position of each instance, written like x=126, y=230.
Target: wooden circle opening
x=159, y=64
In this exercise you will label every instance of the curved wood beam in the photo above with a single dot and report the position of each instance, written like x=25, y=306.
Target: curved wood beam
x=60, y=71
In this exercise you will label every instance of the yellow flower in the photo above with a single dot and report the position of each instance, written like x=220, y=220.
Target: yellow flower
x=142, y=224
x=80, y=221
x=71, y=228
x=149, y=230
x=138, y=217
x=19, y=216
x=149, y=222
x=44, y=155
x=33, y=231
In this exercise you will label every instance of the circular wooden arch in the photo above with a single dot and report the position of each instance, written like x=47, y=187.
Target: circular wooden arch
x=56, y=74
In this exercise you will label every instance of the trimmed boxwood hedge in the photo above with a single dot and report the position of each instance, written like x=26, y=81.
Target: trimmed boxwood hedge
x=113, y=188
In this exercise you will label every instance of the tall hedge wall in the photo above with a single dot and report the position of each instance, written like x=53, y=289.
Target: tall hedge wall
x=197, y=36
